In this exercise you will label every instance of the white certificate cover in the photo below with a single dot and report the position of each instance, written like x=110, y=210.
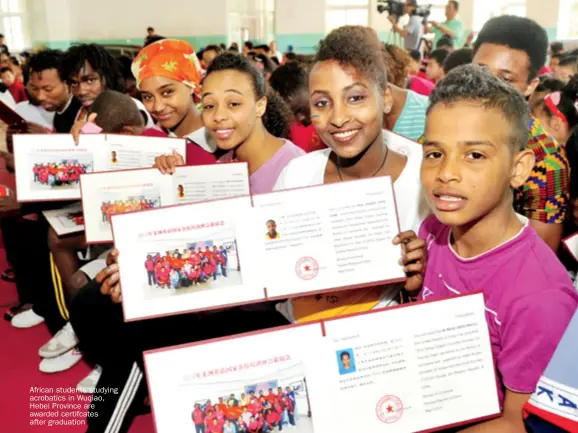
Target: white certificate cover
x=285, y=244
x=376, y=372
x=108, y=193
x=185, y=258
x=67, y=220
x=49, y=166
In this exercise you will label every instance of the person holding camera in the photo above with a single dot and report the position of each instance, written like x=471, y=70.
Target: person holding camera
x=413, y=31
x=453, y=26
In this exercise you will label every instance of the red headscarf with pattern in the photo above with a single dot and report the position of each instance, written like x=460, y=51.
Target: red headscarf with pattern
x=169, y=58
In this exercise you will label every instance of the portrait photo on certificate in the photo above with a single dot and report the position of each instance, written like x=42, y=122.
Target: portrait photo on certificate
x=49, y=166
x=117, y=192
x=381, y=366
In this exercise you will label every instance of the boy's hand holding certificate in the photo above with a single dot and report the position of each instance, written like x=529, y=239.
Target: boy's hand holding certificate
x=251, y=249
x=421, y=367
x=49, y=166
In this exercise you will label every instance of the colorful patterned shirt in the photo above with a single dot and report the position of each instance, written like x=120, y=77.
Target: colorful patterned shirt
x=545, y=195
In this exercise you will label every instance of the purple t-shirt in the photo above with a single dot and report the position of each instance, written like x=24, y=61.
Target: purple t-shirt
x=528, y=294
x=263, y=180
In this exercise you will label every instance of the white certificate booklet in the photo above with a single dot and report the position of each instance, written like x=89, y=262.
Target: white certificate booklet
x=109, y=193
x=382, y=371
x=49, y=166
x=251, y=249
x=67, y=220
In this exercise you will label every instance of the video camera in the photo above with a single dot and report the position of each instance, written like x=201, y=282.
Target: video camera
x=395, y=9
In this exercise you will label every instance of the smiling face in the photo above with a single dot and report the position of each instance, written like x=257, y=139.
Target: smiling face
x=168, y=101
x=468, y=166
x=230, y=108
x=346, y=108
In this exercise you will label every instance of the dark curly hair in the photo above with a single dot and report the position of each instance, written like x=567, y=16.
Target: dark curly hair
x=277, y=115
x=357, y=47
x=517, y=33
x=475, y=84
x=103, y=62
x=288, y=79
x=398, y=62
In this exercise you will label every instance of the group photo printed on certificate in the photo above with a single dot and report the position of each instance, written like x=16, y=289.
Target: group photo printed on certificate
x=49, y=166
x=111, y=193
x=257, y=248
x=372, y=372
x=66, y=220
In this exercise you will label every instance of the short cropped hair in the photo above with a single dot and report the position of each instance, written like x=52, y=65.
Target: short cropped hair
x=47, y=59
x=475, y=84
x=115, y=111
x=439, y=55
x=517, y=33
x=463, y=56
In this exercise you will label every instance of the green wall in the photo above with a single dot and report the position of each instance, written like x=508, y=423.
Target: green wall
x=304, y=43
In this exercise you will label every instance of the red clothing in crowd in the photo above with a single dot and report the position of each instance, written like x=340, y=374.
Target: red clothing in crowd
x=198, y=416
x=305, y=137
x=18, y=92
x=421, y=86
x=273, y=418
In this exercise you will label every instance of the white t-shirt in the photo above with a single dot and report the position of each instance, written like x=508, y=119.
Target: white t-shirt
x=412, y=209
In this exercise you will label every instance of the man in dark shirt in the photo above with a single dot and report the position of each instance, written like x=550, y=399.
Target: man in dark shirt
x=52, y=93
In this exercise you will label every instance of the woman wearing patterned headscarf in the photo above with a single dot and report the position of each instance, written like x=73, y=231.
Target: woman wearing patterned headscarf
x=168, y=75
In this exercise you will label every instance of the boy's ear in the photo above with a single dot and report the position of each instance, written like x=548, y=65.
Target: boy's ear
x=131, y=130
x=531, y=87
x=523, y=164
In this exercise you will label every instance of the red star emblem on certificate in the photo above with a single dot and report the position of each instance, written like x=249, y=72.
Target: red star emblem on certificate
x=307, y=268
x=390, y=408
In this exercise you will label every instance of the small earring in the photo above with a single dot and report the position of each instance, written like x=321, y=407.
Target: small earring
x=387, y=109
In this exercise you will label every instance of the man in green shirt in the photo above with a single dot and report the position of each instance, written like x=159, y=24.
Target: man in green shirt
x=453, y=26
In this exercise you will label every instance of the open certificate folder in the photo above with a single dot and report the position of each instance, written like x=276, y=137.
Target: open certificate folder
x=423, y=367
x=252, y=249
x=49, y=166
x=67, y=220
x=109, y=193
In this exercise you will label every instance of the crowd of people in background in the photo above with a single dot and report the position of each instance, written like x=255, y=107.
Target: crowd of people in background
x=56, y=174
x=190, y=268
x=513, y=195
x=252, y=413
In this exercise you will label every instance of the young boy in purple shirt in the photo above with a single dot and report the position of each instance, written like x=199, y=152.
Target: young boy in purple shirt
x=474, y=157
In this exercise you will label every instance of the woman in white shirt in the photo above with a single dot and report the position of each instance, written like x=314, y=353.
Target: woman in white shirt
x=349, y=97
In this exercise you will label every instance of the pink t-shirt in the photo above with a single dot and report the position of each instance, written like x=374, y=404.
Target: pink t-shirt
x=263, y=180
x=421, y=86
x=529, y=298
